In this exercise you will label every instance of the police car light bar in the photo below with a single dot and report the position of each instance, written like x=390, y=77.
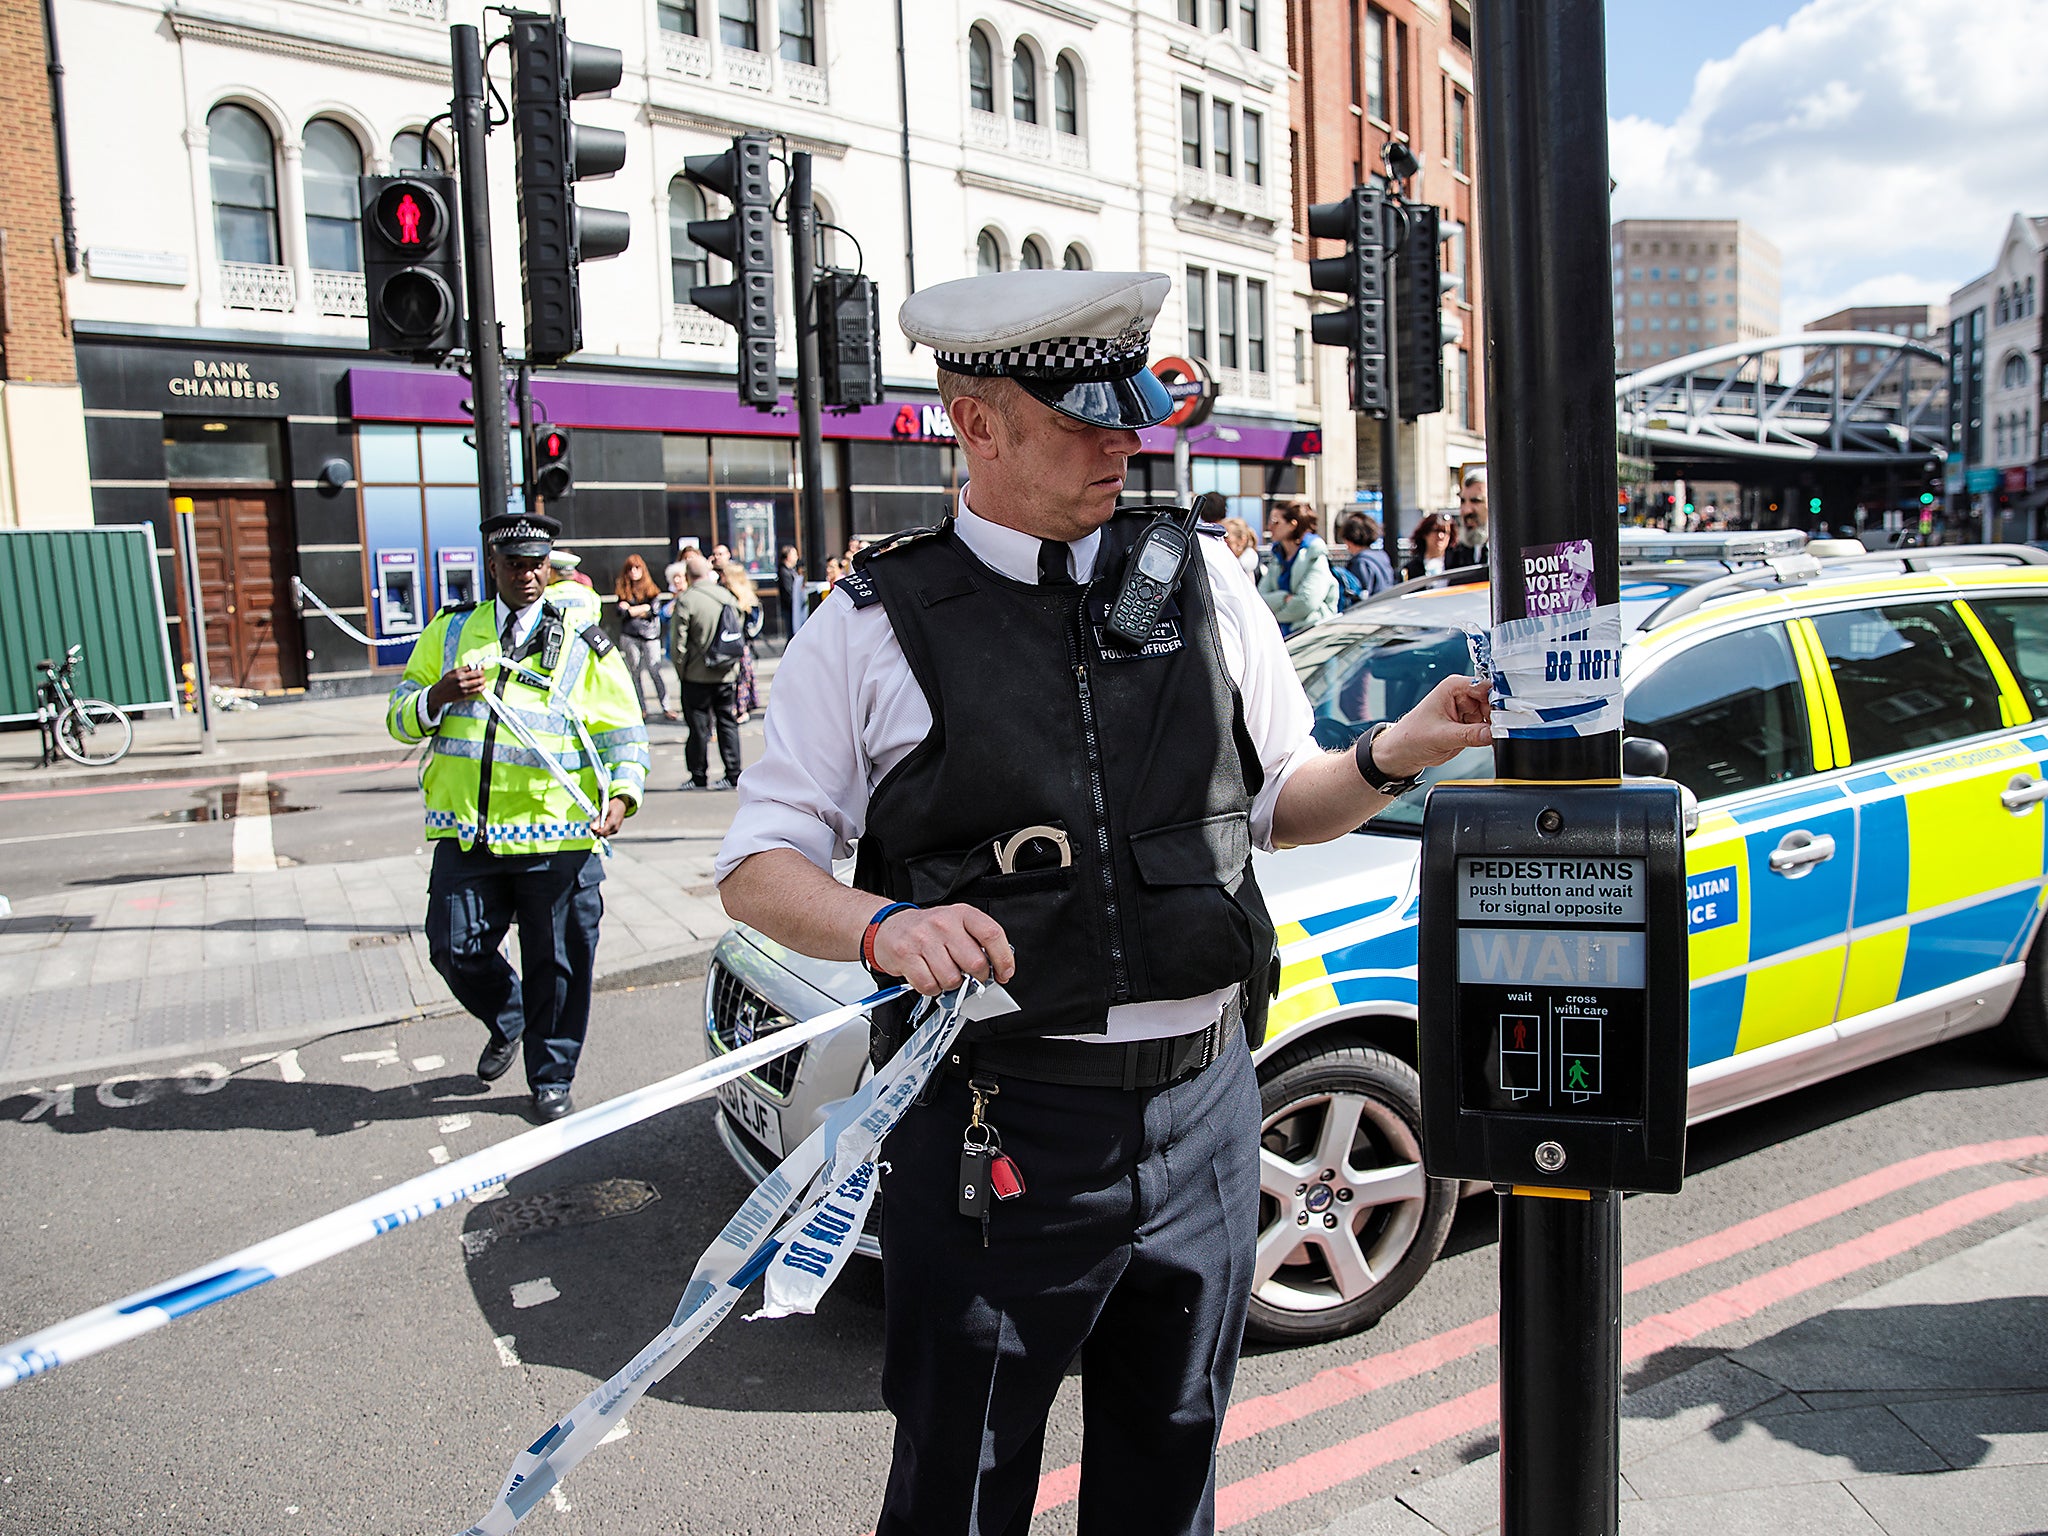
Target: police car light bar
x=1728, y=548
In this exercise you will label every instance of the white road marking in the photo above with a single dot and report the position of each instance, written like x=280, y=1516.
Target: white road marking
x=254, y=850
x=507, y=1355
x=534, y=1293
x=202, y=1077
x=54, y=1102
x=453, y=1123
x=474, y=1243
x=439, y=1155
x=429, y=1063
x=618, y=1431
x=109, y=1099
x=561, y=1499
x=384, y=1057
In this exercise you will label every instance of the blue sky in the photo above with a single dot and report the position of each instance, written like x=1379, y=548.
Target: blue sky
x=1882, y=145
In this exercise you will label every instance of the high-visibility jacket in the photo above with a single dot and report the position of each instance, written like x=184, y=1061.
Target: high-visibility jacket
x=576, y=601
x=480, y=780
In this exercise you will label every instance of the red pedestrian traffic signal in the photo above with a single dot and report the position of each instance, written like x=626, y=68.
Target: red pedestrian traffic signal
x=552, y=476
x=412, y=269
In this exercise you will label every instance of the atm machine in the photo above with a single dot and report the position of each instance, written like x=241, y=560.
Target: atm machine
x=459, y=579
x=400, y=609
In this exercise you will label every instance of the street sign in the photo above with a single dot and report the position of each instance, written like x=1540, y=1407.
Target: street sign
x=1188, y=384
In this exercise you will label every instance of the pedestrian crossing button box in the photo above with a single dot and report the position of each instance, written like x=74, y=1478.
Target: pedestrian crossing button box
x=1553, y=987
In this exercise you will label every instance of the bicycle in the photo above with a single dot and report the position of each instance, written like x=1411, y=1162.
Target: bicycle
x=88, y=731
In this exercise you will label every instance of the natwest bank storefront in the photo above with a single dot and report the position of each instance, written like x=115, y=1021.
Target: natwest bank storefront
x=355, y=477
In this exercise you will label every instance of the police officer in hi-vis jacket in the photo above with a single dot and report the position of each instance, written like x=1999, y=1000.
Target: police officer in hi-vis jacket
x=519, y=696
x=1043, y=794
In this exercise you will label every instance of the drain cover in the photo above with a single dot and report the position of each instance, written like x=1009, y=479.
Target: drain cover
x=571, y=1207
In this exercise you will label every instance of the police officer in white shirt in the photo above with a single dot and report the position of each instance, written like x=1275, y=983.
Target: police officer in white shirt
x=1037, y=800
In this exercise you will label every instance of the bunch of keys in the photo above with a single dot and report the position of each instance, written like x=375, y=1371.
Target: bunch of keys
x=987, y=1172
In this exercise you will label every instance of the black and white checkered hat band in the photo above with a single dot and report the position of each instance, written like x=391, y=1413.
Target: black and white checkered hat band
x=1056, y=359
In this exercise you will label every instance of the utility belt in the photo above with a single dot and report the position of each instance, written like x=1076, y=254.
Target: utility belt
x=1130, y=1065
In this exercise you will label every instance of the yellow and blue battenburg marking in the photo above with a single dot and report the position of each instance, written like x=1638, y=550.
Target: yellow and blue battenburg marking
x=1376, y=966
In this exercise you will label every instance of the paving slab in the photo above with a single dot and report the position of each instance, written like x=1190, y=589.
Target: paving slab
x=1784, y=1449
x=1808, y=1509
x=1987, y=1501
x=2007, y=1429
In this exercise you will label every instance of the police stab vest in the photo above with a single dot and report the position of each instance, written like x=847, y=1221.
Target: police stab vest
x=1137, y=758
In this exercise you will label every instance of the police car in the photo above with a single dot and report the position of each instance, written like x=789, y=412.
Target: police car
x=1864, y=740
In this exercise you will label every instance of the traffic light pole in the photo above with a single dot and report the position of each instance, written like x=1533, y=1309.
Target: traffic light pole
x=1551, y=481
x=486, y=351
x=525, y=388
x=803, y=228
x=1390, y=424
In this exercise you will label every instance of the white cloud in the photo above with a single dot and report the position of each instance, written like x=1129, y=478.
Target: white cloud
x=1882, y=145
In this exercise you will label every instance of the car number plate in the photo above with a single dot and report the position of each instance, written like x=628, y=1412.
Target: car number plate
x=753, y=1114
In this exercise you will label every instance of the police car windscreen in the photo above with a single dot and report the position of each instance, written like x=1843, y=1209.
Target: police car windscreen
x=1356, y=675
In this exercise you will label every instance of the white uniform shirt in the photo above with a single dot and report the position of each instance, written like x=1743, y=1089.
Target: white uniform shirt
x=846, y=709
x=522, y=626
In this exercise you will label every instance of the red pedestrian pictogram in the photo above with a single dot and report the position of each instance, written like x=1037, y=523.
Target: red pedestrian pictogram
x=408, y=216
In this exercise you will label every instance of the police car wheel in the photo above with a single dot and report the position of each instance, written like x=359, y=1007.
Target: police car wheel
x=2025, y=1030
x=1348, y=1221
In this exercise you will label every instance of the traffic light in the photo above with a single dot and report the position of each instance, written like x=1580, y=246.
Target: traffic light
x=1360, y=274
x=849, y=339
x=412, y=264
x=1419, y=284
x=554, y=153
x=1927, y=498
x=746, y=239
x=552, y=476
x=1813, y=505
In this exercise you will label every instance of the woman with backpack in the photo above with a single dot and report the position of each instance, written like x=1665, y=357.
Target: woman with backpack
x=1298, y=586
x=733, y=577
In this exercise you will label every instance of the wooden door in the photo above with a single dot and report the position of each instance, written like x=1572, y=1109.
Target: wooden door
x=244, y=583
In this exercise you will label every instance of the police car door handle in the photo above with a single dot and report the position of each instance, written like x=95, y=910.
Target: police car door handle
x=1799, y=851
x=2022, y=794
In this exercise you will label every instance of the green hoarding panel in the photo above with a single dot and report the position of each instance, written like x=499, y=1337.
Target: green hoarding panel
x=93, y=587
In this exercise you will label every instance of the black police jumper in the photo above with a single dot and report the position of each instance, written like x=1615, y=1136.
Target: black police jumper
x=1132, y=1246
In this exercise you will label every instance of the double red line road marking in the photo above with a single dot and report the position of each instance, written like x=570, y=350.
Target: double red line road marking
x=1322, y=1470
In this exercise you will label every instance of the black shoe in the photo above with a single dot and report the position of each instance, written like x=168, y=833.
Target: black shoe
x=551, y=1102
x=496, y=1059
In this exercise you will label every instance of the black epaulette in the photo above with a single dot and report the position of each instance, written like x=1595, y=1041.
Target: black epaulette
x=458, y=607
x=1210, y=530
x=858, y=585
x=600, y=643
x=897, y=540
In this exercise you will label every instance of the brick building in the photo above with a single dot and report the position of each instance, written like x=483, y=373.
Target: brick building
x=42, y=421
x=1687, y=285
x=1926, y=323
x=1367, y=73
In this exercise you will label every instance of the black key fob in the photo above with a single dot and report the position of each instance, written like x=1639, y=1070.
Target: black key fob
x=974, y=1174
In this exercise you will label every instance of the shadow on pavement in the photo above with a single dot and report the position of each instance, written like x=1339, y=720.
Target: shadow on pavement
x=206, y=1103
x=617, y=1280
x=1959, y=1376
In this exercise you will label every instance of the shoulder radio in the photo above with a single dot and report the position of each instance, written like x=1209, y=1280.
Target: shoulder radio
x=1152, y=573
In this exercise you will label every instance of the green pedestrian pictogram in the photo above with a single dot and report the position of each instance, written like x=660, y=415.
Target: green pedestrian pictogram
x=1576, y=1078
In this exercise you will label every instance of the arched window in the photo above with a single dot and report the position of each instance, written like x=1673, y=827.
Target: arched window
x=244, y=186
x=1024, y=83
x=2013, y=372
x=414, y=151
x=334, y=236
x=686, y=262
x=1066, y=96
x=988, y=253
x=981, y=71
x=1075, y=260
x=1031, y=255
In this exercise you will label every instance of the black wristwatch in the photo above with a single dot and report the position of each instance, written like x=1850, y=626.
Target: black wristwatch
x=1374, y=775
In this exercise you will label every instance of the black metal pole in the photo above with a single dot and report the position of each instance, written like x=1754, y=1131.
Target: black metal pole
x=1390, y=424
x=525, y=387
x=486, y=348
x=803, y=228
x=1540, y=90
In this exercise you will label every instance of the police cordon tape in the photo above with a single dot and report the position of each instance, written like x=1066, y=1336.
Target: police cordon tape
x=38, y=1354
x=795, y=1232
x=306, y=594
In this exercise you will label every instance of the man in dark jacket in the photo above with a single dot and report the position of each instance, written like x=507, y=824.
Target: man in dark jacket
x=789, y=582
x=710, y=684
